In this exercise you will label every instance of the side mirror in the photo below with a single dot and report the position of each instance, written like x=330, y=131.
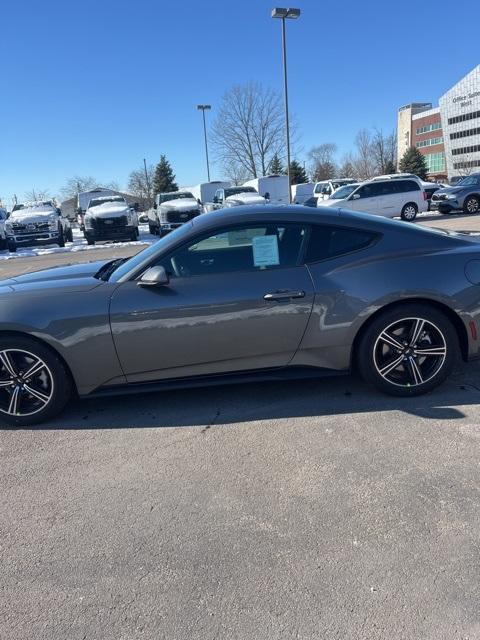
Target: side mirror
x=199, y=201
x=154, y=205
x=215, y=199
x=154, y=277
x=267, y=195
x=356, y=196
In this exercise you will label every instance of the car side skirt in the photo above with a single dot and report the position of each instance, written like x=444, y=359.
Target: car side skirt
x=264, y=375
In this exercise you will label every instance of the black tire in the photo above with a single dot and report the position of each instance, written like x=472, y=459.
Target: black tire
x=12, y=247
x=90, y=241
x=53, y=381
x=70, y=235
x=471, y=205
x=409, y=212
x=414, y=374
x=61, y=237
x=152, y=229
x=137, y=233
x=3, y=244
x=133, y=236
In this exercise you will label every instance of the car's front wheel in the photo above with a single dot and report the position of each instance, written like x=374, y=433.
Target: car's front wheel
x=408, y=350
x=471, y=205
x=34, y=383
x=409, y=212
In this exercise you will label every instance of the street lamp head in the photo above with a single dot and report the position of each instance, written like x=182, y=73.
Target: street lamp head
x=204, y=106
x=278, y=12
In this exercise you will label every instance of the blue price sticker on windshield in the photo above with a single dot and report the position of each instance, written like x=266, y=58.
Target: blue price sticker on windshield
x=265, y=251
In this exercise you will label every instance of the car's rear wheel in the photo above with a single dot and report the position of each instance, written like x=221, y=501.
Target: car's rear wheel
x=408, y=350
x=34, y=383
x=471, y=205
x=409, y=212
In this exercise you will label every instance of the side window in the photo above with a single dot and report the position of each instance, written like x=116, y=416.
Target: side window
x=369, y=190
x=328, y=242
x=387, y=188
x=408, y=185
x=242, y=248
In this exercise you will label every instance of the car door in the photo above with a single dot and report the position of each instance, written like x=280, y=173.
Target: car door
x=365, y=198
x=388, y=198
x=238, y=299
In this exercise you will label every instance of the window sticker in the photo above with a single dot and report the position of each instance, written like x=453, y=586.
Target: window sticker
x=265, y=251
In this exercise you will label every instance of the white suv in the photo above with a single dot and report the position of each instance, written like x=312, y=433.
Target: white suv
x=3, y=233
x=389, y=196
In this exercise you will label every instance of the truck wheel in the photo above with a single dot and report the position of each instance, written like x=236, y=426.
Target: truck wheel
x=133, y=236
x=70, y=235
x=61, y=237
x=12, y=247
x=90, y=241
x=151, y=228
x=471, y=205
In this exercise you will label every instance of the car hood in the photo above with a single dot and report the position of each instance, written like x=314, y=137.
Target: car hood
x=108, y=210
x=246, y=198
x=182, y=204
x=74, y=277
x=32, y=216
x=330, y=202
x=449, y=190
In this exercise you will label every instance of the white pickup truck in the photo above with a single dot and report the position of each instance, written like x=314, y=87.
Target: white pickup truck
x=171, y=210
x=110, y=218
x=39, y=223
x=235, y=197
x=3, y=234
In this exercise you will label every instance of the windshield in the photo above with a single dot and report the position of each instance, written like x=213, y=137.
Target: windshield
x=147, y=254
x=469, y=181
x=343, y=192
x=233, y=191
x=98, y=201
x=176, y=195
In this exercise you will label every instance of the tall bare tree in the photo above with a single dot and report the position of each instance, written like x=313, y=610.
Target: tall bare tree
x=36, y=195
x=364, y=159
x=322, y=161
x=347, y=167
x=248, y=130
x=383, y=150
x=140, y=183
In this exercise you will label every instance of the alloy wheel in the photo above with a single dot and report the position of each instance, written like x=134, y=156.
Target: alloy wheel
x=473, y=205
x=409, y=352
x=409, y=213
x=26, y=383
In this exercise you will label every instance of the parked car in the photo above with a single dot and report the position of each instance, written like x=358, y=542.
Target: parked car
x=324, y=188
x=465, y=196
x=383, y=196
x=110, y=218
x=3, y=234
x=40, y=223
x=430, y=188
x=237, y=196
x=171, y=210
x=205, y=191
x=252, y=293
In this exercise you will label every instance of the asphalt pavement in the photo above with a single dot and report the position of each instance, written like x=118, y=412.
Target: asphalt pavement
x=303, y=510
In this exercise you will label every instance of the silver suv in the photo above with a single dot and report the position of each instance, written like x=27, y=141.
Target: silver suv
x=465, y=195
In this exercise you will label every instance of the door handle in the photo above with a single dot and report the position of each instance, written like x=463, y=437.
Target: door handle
x=283, y=295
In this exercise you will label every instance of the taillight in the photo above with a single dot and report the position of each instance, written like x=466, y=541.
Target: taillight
x=425, y=197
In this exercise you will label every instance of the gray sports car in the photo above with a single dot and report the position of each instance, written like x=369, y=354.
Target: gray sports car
x=263, y=292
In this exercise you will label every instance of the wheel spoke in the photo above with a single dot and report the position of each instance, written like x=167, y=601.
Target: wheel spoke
x=389, y=339
x=14, y=402
x=5, y=383
x=417, y=330
x=415, y=371
x=34, y=369
x=391, y=366
x=431, y=351
x=5, y=360
x=36, y=394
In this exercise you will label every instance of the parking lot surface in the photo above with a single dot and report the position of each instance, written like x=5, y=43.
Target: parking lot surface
x=307, y=509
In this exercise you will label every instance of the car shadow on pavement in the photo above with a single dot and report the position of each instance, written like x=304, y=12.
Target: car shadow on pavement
x=232, y=404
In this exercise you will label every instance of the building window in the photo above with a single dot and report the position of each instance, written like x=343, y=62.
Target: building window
x=467, y=164
x=429, y=142
x=429, y=127
x=435, y=162
x=464, y=134
x=462, y=150
x=464, y=116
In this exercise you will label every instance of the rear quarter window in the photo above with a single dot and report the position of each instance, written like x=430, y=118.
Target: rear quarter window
x=329, y=242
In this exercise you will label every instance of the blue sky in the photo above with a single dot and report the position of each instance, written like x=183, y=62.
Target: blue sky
x=91, y=88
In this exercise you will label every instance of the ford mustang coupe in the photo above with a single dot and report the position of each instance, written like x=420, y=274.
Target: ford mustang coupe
x=243, y=293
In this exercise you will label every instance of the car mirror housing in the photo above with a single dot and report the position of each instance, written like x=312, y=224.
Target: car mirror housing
x=356, y=196
x=154, y=277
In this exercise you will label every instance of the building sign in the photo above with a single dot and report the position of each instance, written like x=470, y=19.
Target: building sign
x=466, y=101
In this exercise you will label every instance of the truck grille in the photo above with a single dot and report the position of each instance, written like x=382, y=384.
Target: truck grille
x=181, y=216
x=109, y=223
x=30, y=227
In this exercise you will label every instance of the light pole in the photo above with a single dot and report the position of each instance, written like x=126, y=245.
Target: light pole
x=284, y=14
x=202, y=108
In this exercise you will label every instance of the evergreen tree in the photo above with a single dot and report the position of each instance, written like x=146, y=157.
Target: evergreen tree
x=413, y=162
x=390, y=168
x=164, y=178
x=276, y=167
x=298, y=174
